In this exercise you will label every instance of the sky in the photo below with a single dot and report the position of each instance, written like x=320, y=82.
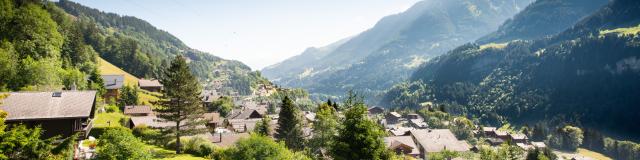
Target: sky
x=258, y=33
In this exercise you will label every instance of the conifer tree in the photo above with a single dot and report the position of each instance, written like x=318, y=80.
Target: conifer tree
x=359, y=137
x=290, y=125
x=324, y=128
x=181, y=102
x=263, y=127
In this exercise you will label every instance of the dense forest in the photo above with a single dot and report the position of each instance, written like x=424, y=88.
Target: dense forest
x=142, y=50
x=586, y=75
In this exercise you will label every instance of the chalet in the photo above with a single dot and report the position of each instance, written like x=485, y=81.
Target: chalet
x=246, y=114
x=227, y=139
x=141, y=110
x=504, y=135
x=489, y=131
x=402, y=145
x=151, y=85
x=518, y=138
x=539, y=145
x=375, y=110
x=400, y=131
x=392, y=118
x=436, y=140
x=150, y=121
x=413, y=116
x=418, y=123
x=57, y=113
x=309, y=116
x=242, y=125
x=208, y=96
x=113, y=84
x=213, y=120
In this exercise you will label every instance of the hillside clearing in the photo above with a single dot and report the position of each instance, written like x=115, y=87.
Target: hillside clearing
x=623, y=31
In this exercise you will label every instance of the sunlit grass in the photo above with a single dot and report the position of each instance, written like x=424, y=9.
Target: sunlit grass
x=592, y=154
x=108, y=119
x=108, y=68
x=165, y=154
x=623, y=31
x=494, y=46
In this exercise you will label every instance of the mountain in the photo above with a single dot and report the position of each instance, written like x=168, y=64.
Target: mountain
x=387, y=53
x=143, y=50
x=543, y=18
x=291, y=67
x=585, y=75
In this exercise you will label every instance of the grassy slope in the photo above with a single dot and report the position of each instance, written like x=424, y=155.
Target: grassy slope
x=592, y=154
x=107, y=68
x=623, y=31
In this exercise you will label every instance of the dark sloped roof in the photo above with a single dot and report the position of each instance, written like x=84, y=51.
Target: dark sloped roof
x=114, y=81
x=149, y=83
x=43, y=105
x=143, y=109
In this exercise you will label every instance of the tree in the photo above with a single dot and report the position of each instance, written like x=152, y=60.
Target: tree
x=181, y=102
x=223, y=105
x=128, y=96
x=510, y=152
x=290, y=125
x=262, y=127
x=572, y=137
x=259, y=147
x=324, y=128
x=444, y=155
x=359, y=137
x=119, y=143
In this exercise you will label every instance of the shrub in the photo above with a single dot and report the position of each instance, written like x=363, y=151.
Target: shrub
x=111, y=108
x=119, y=143
x=197, y=146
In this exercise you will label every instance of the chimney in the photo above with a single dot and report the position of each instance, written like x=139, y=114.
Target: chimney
x=220, y=137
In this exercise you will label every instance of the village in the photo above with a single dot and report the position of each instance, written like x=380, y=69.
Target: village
x=72, y=111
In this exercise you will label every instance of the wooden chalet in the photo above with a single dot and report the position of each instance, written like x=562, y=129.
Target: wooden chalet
x=113, y=83
x=151, y=85
x=57, y=113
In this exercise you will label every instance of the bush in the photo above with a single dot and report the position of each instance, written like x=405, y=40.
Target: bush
x=110, y=108
x=197, y=146
x=149, y=135
x=119, y=143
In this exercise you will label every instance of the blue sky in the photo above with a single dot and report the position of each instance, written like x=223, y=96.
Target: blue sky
x=258, y=32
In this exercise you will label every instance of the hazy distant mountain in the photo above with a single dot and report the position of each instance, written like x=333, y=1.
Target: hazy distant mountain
x=387, y=53
x=297, y=64
x=587, y=75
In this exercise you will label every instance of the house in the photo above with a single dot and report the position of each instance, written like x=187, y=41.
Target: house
x=150, y=121
x=413, y=116
x=392, y=118
x=402, y=145
x=518, y=138
x=57, y=113
x=113, y=83
x=436, y=140
x=375, y=110
x=504, y=135
x=539, y=145
x=208, y=96
x=246, y=114
x=418, y=123
x=213, y=120
x=489, y=131
x=226, y=139
x=151, y=85
x=141, y=110
x=243, y=125
x=400, y=131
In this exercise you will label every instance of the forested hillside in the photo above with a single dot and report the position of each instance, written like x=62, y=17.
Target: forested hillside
x=390, y=51
x=142, y=50
x=586, y=75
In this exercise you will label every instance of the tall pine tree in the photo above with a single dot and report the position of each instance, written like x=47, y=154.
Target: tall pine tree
x=290, y=125
x=181, y=102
